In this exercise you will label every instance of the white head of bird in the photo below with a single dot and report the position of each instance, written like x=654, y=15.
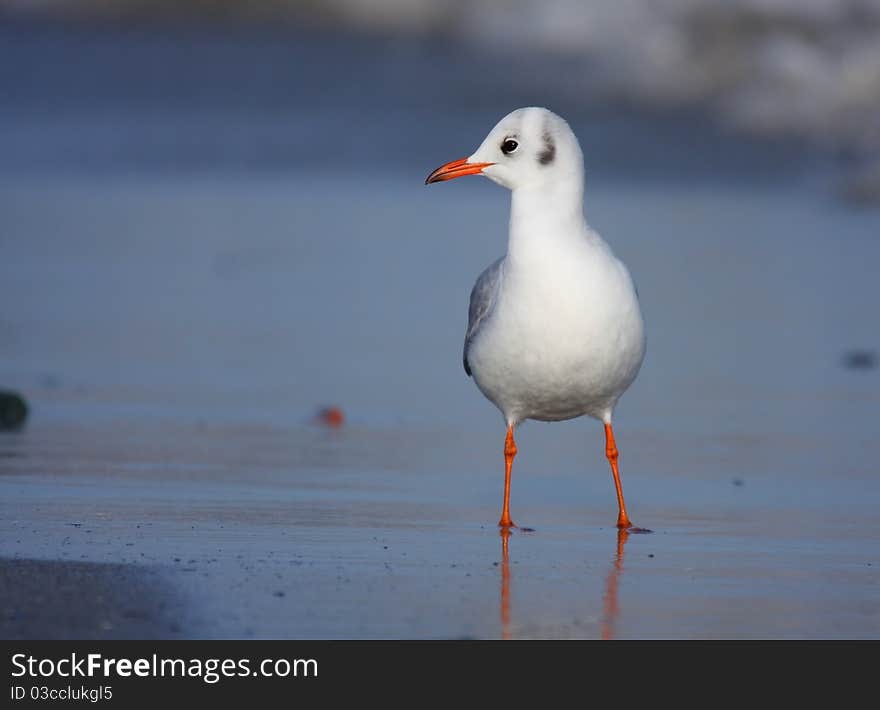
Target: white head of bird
x=534, y=153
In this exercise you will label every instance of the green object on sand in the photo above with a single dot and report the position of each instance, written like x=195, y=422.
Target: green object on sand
x=13, y=411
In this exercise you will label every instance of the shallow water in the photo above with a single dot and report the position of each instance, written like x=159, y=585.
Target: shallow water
x=175, y=330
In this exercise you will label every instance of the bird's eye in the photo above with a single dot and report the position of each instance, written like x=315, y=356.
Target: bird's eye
x=509, y=146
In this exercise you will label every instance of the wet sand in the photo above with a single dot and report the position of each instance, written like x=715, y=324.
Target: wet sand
x=200, y=545
x=53, y=599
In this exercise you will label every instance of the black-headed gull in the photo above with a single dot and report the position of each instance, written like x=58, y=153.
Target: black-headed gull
x=554, y=327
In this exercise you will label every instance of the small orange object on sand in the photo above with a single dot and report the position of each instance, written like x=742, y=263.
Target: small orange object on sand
x=331, y=416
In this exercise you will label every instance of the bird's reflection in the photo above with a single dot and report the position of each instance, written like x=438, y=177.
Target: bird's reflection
x=611, y=608
x=505, y=584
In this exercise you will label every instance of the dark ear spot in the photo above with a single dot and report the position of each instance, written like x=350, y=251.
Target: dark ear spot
x=546, y=156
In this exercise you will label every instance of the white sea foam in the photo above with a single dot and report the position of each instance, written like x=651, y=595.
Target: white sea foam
x=809, y=68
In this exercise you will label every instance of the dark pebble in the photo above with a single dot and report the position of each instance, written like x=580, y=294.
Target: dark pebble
x=13, y=411
x=860, y=359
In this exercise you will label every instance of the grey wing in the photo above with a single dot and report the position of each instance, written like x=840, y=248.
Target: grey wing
x=482, y=300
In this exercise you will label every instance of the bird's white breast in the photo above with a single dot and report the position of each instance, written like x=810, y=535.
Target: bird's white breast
x=565, y=337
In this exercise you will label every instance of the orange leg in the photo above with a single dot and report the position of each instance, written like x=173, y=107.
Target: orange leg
x=509, y=453
x=611, y=453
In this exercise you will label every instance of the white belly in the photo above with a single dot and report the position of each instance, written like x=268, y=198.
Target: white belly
x=560, y=343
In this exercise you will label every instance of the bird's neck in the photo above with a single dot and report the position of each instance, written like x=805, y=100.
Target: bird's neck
x=544, y=222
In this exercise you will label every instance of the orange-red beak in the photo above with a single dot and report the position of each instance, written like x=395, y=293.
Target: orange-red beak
x=455, y=169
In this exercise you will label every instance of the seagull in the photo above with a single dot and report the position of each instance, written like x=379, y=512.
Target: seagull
x=554, y=329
